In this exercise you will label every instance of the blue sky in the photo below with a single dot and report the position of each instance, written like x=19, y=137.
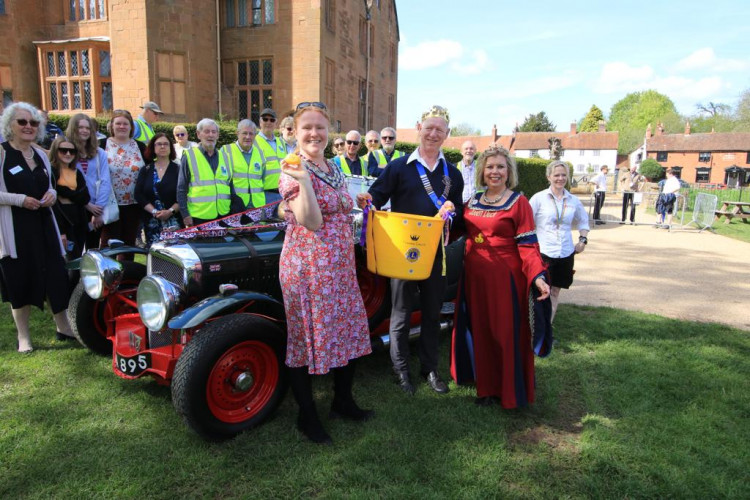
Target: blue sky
x=495, y=62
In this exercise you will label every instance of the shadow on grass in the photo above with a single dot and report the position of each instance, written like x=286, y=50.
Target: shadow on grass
x=628, y=405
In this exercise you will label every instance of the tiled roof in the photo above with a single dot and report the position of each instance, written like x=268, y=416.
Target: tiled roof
x=581, y=140
x=726, y=141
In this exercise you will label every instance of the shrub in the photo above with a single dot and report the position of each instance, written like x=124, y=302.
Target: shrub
x=652, y=170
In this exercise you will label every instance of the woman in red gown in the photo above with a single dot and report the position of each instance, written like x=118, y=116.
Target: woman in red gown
x=491, y=343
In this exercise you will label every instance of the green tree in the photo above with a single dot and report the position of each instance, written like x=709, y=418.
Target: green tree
x=590, y=122
x=537, y=123
x=742, y=113
x=651, y=169
x=631, y=115
x=464, y=128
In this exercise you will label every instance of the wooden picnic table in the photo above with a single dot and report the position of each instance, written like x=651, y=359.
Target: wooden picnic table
x=731, y=209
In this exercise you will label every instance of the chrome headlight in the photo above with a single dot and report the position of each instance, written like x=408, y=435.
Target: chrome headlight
x=357, y=222
x=100, y=275
x=157, y=301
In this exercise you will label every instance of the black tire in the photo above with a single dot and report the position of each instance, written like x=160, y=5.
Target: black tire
x=88, y=317
x=203, y=388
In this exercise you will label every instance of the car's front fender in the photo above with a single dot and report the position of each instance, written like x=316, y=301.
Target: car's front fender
x=215, y=306
x=75, y=264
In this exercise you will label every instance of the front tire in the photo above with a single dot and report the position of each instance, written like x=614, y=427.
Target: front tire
x=231, y=376
x=89, y=318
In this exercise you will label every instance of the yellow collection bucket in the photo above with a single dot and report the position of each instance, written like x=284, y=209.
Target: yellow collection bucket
x=402, y=245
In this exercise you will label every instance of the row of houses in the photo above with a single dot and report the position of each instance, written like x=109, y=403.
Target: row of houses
x=721, y=159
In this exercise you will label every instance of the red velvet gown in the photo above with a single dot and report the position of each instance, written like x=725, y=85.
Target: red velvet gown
x=491, y=342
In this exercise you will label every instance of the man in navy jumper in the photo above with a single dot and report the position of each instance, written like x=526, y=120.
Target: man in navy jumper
x=404, y=181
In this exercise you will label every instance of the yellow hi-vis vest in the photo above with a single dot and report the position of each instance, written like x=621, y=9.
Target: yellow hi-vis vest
x=345, y=166
x=272, y=165
x=380, y=156
x=145, y=131
x=208, y=194
x=247, y=178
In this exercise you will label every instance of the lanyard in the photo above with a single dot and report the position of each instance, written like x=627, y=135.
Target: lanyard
x=428, y=187
x=559, y=214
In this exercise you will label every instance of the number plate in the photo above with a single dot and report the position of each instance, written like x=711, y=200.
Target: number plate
x=135, y=365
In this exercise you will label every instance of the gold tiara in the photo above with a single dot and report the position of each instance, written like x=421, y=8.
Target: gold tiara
x=437, y=111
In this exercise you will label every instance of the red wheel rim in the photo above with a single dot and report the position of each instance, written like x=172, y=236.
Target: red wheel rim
x=252, y=358
x=373, y=290
x=108, y=309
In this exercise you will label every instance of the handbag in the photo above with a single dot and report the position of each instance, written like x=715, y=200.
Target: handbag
x=110, y=212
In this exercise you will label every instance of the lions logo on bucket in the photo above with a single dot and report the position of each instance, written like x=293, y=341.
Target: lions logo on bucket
x=412, y=255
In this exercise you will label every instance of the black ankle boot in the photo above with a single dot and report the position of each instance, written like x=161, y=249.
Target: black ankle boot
x=343, y=405
x=307, y=422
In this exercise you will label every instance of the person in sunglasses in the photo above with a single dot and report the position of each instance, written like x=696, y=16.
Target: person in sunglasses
x=181, y=141
x=423, y=183
x=350, y=162
x=338, y=146
x=326, y=318
x=379, y=158
x=32, y=257
x=273, y=149
x=72, y=198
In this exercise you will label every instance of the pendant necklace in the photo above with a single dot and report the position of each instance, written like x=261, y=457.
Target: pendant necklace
x=487, y=201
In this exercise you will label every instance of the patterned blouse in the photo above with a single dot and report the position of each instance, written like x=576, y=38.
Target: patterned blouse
x=125, y=162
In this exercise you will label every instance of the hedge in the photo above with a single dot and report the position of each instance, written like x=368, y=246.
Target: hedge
x=531, y=171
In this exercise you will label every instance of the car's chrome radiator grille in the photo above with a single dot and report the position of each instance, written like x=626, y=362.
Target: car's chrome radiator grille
x=168, y=270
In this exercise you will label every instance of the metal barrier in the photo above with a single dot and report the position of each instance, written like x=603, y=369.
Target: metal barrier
x=704, y=211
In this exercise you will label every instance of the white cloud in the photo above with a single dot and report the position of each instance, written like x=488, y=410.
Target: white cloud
x=706, y=59
x=429, y=54
x=621, y=77
x=480, y=63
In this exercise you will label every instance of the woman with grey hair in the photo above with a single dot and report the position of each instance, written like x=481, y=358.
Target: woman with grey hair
x=32, y=265
x=556, y=211
x=492, y=336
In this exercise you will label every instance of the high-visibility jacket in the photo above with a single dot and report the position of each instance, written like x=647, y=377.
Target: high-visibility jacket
x=208, y=195
x=382, y=160
x=247, y=178
x=145, y=132
x=345, y=165
x=272, y=165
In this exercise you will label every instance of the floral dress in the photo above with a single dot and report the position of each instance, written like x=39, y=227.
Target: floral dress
x=124, y=164
x=326, y=318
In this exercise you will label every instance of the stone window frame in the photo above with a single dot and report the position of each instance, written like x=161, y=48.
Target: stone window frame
x=330, y=85
x=74, y=72
x=391, y=110
x=248, y=13
x=77, y=11
x=171, y=84
x=329, y=14
x=263, y=87
x=361, y=103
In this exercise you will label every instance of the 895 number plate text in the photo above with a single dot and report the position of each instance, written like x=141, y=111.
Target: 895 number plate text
x=135, y=365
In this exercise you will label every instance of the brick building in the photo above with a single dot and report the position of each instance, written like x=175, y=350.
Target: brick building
x=200, y=58
x=716, y=158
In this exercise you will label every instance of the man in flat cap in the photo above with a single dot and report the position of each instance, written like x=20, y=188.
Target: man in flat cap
x=143, y=124
x=273, y=149
x=424, y=183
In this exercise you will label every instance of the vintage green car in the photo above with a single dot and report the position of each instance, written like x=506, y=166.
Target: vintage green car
x=206, y=316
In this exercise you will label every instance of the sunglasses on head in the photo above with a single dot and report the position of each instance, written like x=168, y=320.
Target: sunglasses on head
x=70, y=151
x=352, y=143
x=268, y=118
x=180, y=134
x=387, y=138
x=315, y=104
x=23, y=122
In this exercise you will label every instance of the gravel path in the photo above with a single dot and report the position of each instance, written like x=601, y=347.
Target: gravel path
x=679, y=274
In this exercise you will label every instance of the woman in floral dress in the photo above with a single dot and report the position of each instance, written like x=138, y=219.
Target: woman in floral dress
x=125, y=160
x=326, y=319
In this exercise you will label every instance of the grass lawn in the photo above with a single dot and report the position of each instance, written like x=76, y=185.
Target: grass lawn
x=629, y=406
x=737, y=228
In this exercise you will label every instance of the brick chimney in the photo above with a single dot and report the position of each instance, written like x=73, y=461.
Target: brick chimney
x=687, y=128
x=573, y=128
x=660, y=129
x=494, y=134
x=602, y=126
x=649, y=132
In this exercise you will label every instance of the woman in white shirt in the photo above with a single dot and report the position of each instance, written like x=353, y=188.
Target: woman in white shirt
x=667, y=198
x=555, y=213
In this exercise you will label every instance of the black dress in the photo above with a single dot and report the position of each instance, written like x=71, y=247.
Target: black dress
x=161, y=193
x=72, y=218
x=39, y=271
